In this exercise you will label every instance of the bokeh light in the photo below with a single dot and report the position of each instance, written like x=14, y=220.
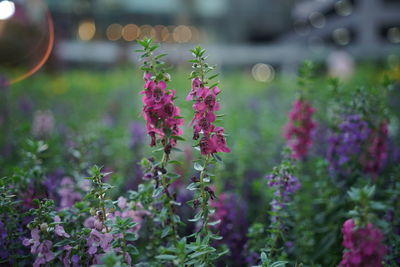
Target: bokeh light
x=130, y=32
x=114, y=32
x=195, y=34
x=343, y=7
x=182, y=34
x=147, y=31
x=86, y=30
x=263, y=72
x=7, y=10
x=341, y=36
x=393, y=35
x=317, y=20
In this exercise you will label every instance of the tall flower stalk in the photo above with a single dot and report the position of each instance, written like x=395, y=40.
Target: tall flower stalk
x=285, y=184
x=163, y=122
x=211, y=140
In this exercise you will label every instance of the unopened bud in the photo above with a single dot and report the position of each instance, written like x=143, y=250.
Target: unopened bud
x=43, y=227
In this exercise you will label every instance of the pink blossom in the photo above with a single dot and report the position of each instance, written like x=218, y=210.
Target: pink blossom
x=298, y=131
x=161, y=115
x=363, y=246
x=205, y=105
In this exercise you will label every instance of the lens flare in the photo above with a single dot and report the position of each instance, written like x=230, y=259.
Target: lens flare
x=7, y=10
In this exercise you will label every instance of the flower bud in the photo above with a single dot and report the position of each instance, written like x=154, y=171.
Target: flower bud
x=44, y=227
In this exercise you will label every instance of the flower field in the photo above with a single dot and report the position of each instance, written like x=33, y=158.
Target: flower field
x=149, y=166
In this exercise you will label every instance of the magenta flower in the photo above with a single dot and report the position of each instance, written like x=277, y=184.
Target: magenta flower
x=205, y=105
x=363, y=246
x=161, y=115
x=298, y=131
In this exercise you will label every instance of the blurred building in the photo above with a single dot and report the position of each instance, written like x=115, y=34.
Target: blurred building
x=281, y=33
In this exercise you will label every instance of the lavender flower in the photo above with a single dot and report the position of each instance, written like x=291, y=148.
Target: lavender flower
x=347, y=143
x=59, y=229
x=285, y=185
x=68, y=193
x=3, y=241
x=137, y=135
x=98, y=240
x=41, y=248
x=43, y=123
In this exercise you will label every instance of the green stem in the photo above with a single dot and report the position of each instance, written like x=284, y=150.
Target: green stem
x=165, y=184
x=204, y=197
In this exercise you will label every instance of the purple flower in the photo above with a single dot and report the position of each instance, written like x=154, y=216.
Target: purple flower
x=285, y=185
x=99, y=240
x=68, y=193
x=137, y=135
x=233, y=226
x=347, y=143
x=41, y=248
x=59, y=229
x=3, y=241
x=43, y=123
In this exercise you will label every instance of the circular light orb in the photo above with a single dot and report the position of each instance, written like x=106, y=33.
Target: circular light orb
x=343, y=7
x=114, y=32
x=263, y=72
x=393, y=35
x=159, y=32
x=341, y=36
x=317, y=20
x=86, y=30
x=147, y=31
x=7, y=10
x=130, y=32
x=195, y=34
x=182, y=34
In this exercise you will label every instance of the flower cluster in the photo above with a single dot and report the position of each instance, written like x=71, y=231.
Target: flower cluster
x=348, y=142
x=205, y=105
x=43, y=123
x=68, y=194
x=298, y=131
x=161, y=115
x=285, y=185
x=364, y=246
x=42, y=248
x=377, y=151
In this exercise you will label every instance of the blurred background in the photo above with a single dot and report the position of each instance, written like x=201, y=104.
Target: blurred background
x=237, y=33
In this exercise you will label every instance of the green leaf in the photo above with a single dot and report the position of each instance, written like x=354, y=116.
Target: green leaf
x=157, y=191
x=213, y=76
x=198, y=167
x=165, y=231
x=166, y=257
x=130, y=236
